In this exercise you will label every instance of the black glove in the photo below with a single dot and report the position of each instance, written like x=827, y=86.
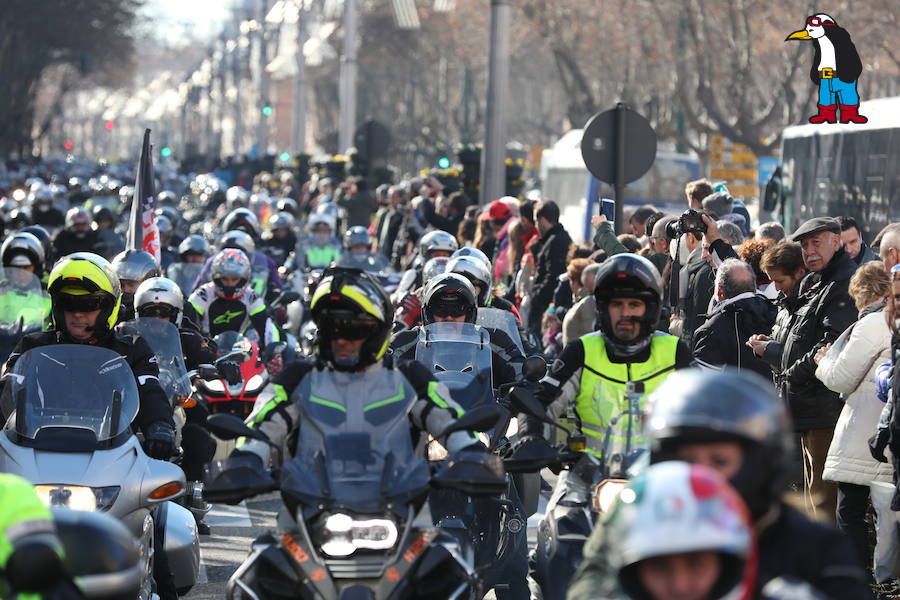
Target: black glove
x=230, y=372
x=159, y=440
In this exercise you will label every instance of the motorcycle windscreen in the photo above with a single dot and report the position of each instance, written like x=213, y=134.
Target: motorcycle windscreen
x=70, y=398
x=356, y=454
x=24, y=306
x=184, y=274
x=165, y=341
x=505, y=321
x=459, y=356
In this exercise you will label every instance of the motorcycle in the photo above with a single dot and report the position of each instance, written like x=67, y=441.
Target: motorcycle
x=237, y=399
x=354, y=493
x=459, y=356
x=69, y=412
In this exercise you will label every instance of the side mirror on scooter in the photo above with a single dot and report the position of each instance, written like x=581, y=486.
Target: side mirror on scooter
x=482, y=418
x=534, y=368
x=34, y=567
x=230, y=427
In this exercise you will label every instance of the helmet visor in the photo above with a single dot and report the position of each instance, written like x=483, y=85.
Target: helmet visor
x=82, y=303
x=345, y=325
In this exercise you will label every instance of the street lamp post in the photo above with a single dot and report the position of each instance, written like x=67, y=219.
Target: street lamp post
x=493, y=167
x=347, y=86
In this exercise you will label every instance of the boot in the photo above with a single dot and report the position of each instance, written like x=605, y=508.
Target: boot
x=849, y=114
x=827, y=114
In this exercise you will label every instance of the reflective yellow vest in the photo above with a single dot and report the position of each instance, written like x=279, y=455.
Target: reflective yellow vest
x=606, y=387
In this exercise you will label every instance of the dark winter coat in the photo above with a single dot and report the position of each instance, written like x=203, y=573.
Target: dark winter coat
x=722, y=339
x=825, y=311
x=700, y=284
x=550, y=262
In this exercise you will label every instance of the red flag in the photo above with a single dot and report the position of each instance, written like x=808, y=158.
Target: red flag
x=142, y=231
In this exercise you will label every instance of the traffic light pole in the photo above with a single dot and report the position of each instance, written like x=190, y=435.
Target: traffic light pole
x=298, y=140
x=347, y=85
x=493, y=158
x=262, y=133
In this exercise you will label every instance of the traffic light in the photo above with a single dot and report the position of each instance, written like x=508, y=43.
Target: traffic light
x=284, y=156
x=69, y=145
x=443, y=163
x=110, y=125
x=266, y=110
x=166, y=152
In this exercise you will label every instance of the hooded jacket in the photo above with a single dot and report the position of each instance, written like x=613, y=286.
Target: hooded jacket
x=824, y=311
x=721, y=340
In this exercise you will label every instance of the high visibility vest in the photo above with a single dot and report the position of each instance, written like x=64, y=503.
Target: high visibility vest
x=606, y=389
x=321, y=256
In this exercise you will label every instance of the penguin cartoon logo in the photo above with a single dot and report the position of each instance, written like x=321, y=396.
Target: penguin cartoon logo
x=835, y=68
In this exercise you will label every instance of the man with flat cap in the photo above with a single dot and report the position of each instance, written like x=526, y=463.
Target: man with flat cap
x=825, y=311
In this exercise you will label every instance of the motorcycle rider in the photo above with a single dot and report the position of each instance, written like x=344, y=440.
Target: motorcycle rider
x=228, y=303
x=161, y=298
x=23, y=262
x=193, y=251
x=320, y=249
x=450, y=297
x=431, y=245
x=264, y=275
x=479, y=273
x=43, y=212
x=735, y=423
x=77, y=235
x=280, y=240
x=353, y=315
x=358, y=254
x=409, y=309
x=699, y=546
x=133, y=267
x=110, y=243
x=86, y=297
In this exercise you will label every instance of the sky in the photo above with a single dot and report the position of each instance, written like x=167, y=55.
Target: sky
x=176, y=20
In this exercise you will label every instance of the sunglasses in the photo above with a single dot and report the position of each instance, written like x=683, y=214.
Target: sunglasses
x=83, y=303
x=449, y=310
x=158, y=310
x=347, y=328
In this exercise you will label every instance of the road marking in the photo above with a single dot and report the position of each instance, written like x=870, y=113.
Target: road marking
x=222, y=515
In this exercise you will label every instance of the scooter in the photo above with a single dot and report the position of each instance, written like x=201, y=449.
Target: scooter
x=70, y=410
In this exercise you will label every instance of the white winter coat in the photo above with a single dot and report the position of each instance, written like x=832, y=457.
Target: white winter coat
x=849, y=369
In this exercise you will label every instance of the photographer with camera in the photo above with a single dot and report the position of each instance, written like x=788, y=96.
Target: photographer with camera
x=692, y=278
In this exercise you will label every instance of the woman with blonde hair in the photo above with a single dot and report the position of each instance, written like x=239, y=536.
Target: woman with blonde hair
x=848, y=367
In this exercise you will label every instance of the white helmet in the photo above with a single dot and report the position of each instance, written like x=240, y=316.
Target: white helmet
x=437, y=240
x=317, y=219
x=476, y=272
x=159, y=296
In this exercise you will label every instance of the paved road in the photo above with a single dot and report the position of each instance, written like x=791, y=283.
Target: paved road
x=233, y=529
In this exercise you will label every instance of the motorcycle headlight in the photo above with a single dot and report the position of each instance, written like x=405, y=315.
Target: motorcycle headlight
x=256, y=382
x=606, y=493
x=342, y=535
x=78, y=497
x=215, y=385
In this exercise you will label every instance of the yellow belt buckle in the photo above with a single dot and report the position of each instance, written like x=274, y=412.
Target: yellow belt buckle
x=827, y=73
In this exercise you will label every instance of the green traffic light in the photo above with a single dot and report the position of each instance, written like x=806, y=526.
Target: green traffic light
x=285, y=156
x=267, y=110
x=443, y=162
x=166, y=152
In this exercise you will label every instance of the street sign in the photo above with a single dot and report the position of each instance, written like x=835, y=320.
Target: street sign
x=599, y=146
x=618, y=146
x=743, y=190
x=733, y=173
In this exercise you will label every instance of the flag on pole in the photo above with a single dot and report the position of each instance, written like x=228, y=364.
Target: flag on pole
x=142, y=231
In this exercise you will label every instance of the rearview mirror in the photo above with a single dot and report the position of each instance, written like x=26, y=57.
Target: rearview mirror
x=229, y=427
x=208, y=373
x=534, y=368
x=481, y=418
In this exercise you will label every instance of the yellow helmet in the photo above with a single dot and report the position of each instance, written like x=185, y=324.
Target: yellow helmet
x=82, y=274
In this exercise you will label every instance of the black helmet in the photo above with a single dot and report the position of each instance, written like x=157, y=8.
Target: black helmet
x=135, y=265
x=288, y=205
x=351, y=304
x=244, y=220
x=628, y=276
x=449, y=294
x=696, y=406
x=356, y=236
x=101, y=213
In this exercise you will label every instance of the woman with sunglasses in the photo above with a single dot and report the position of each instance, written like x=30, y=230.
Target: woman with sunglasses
x=452, y=297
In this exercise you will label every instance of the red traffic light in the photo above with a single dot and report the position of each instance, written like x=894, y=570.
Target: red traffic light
x=110, y=125
x=69, y=145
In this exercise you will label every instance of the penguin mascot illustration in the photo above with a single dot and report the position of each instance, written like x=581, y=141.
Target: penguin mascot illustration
x=835, y=68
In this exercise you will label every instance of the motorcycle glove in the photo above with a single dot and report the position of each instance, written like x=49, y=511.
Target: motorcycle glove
x=159, y=440
x=230, y=372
